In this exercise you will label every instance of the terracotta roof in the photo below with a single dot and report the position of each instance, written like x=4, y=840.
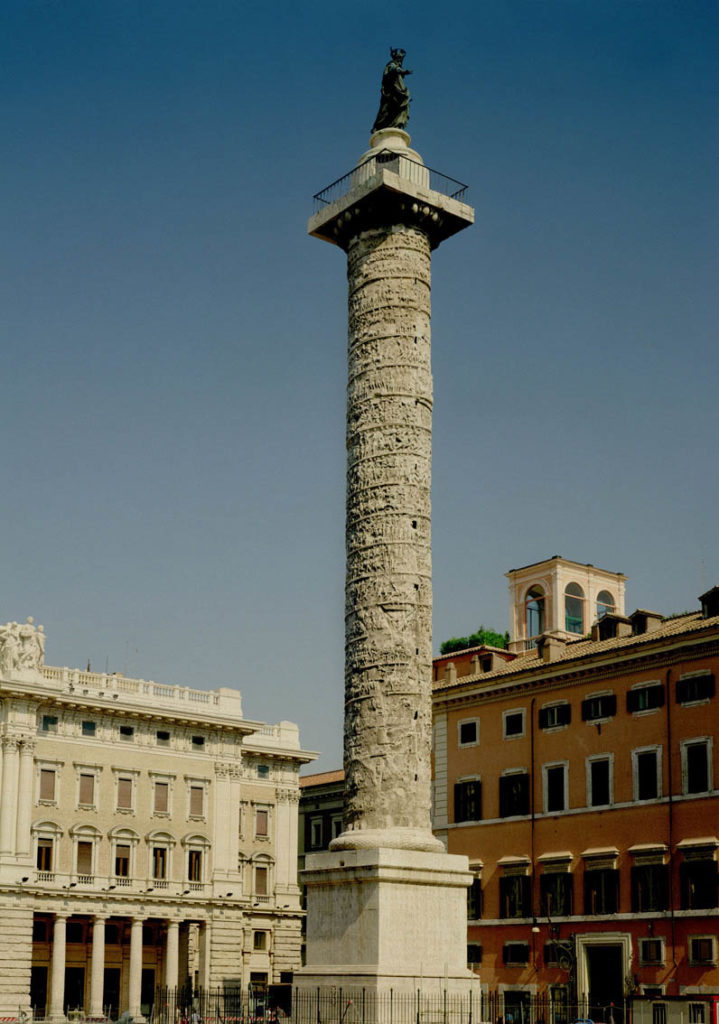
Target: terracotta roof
x=320, y=778
x=576, y=650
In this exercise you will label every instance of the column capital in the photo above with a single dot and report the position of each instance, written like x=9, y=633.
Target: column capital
x=27, y=745
x=10, y=743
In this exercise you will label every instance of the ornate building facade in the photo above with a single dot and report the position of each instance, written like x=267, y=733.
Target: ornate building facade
x=578, y=774
x=148, y=837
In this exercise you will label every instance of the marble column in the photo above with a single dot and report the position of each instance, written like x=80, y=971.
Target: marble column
x=57, y=970
x=97, y=968
x=205, y=944
x=8, y=798
x=24, y=798
x=172, y=954
x=135, y=985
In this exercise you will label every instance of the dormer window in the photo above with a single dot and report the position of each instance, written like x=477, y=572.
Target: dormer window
x=534, y=611
x=605, y=603
x=574, y=608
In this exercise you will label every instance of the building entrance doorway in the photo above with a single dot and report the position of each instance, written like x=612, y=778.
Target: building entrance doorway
x=606, y=983
x=38, y=990
x=111, y=992
x=74, y=988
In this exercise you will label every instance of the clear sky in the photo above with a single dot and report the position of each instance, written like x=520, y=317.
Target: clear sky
x=173, y=343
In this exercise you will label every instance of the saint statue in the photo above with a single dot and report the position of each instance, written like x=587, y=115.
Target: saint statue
x=394, y=98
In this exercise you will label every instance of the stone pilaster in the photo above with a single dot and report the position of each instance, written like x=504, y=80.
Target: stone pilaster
x=8, y=798
x=24, y=798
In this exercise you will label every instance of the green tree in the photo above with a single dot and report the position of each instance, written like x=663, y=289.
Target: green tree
x=483, y=636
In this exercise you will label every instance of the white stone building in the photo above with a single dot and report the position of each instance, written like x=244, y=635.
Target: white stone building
x=148, y=837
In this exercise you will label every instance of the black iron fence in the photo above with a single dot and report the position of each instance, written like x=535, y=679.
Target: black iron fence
x=394, y=161
x=337, y=1005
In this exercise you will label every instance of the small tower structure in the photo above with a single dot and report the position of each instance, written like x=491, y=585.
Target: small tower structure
x=561, y=597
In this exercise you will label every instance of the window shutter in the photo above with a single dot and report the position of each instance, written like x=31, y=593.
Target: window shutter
x=124, y=793
x=162, y=793
x=632, y=700
x=84, y=858
x=87, y=789
x=564, y=714
x=544, y=718
x=610, y=705
x=196, y=795
x=586, y=710
x=47, y=784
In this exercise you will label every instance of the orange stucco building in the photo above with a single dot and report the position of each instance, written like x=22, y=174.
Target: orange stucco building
x=577, y=772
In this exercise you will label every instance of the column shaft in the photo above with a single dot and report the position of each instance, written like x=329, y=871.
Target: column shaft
x=24, y=799
x=8, y=800
x=388, y=593
x=97, y=969
x=135, y=986
x=172, y=954
x=57, y=970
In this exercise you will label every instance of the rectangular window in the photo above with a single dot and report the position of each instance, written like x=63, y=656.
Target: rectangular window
x=651, y=951
x=514, y=954
x=122, y=861
x=194, y=865
x=263, y=771
x=513, y=794
x=697, y=1013
x=88, y=728
x=159, y=862
x=261, y=881
x=701, y=950
x=645, y=698
x=555, y=788
x=316, y=833
x=601, y=891
x=197, y=795
x=84, y=858
x=44, y=854
x=127, y=732
x=47, y=784
x=468, y=800
x=556, y=894
x=599, y=782
x=474, y=953
x=602, y=706
x=696, y=767
x=124, y=794
x=474, y=900
x=198, y=741
x=162, y=797
x=469, y=733
x=514, y=896
x=513, y=723
x=49, y=723
x=163, y=738
x=698, y=880
x=646, y=774
x=695, y=688
x=650, y=887
x=336, y=827
x=554, y=716
x=259, y=940
x=659, y=1013
x=262, y=822
x=87, y=790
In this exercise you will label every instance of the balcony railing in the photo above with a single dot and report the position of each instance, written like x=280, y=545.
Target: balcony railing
x=402, y=165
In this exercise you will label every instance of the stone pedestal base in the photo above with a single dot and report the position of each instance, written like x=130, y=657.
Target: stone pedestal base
x=387, y=919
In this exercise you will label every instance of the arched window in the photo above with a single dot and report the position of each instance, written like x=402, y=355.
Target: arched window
x=574, y=608
x=534, y=611
x=605, y=603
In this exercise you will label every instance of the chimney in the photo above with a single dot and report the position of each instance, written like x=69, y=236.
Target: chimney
x=550, y=646
x=710, y=603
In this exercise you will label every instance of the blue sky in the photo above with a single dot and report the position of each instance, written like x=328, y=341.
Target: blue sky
x=173, y=343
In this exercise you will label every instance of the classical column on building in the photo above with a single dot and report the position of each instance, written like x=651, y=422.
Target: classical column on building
x=172, y=954
x=286, y=825
x=204, y=951
x=97, y=966
x=386, y=907
x=135, y=986
x=57, y=968
x=8, y=797
x=25, y=797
